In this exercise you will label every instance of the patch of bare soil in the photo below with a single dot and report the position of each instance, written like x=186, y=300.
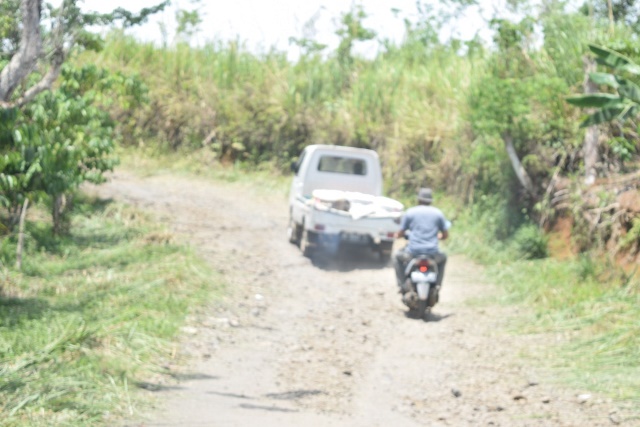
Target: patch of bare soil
x=326, y=342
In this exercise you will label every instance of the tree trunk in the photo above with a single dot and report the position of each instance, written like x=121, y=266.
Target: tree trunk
x=592, y=135
x=25, y=60
x=23, y=215
x=520, y=171
x=57, y=213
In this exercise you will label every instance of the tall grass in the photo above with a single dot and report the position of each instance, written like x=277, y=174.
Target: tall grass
x=91, y=316
x=407, y=103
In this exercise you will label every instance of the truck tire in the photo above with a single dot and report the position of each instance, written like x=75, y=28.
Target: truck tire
x=293, y=231
x=384, y=256
x=384, y=252
x=305, y=245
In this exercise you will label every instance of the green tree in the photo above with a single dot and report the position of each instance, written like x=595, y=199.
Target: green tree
x=63, y=138
x=521, y=127
x=50, y=142
x=351, y=30
x=501, y=101
x=622, y=11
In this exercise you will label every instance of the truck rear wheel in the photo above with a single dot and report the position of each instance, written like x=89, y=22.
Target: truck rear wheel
x=384, y=256
x=305, y=245
x=384, y=251
x=293, y=231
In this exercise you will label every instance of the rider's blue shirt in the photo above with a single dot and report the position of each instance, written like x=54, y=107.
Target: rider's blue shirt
x=424, y=223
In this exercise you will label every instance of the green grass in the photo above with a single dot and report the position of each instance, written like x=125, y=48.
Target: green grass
x=264, y=178
x=592, y=305
x=91, y=315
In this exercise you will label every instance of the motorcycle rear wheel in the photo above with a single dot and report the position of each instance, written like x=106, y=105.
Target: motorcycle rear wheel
x=421, y=309
x=433, y=297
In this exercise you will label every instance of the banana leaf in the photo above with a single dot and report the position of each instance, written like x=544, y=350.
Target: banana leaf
x=604, y=79
x=629, y=90
x=609, y=57
x=602, y=116
x=631, y=69
x=594, y=100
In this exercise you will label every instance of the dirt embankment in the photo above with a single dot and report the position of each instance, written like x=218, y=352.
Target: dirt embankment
x=327, y=343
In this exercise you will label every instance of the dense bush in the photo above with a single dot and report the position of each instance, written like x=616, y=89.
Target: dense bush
x=531, y=242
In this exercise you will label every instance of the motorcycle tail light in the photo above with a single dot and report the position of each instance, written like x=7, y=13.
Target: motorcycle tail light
x=423, y=266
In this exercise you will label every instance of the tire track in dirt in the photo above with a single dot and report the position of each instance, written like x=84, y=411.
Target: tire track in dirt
x=327, y=343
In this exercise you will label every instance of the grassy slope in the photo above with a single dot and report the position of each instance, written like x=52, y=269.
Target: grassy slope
x=592, y=307
x=91, y=315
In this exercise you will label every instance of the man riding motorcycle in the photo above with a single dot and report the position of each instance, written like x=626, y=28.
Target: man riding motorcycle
x=425, y=224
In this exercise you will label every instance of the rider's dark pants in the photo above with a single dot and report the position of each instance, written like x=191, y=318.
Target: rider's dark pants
x=403, y=256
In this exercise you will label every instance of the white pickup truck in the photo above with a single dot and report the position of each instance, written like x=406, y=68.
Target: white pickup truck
x=336, y=199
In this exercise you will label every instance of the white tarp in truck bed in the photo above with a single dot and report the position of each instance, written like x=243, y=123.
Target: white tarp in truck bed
x=358, y=205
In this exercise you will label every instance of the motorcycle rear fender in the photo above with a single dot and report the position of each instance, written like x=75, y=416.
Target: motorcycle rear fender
x=412, y=263
x=423, y=290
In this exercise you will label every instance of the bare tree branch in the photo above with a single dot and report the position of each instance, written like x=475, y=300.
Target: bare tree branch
x=58, y=57
x=44, y=84
x=26, y=59
x=519, y=170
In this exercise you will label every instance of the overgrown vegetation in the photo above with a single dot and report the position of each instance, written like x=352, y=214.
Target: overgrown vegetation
x=486, y=123
x=483, y=122
x=91, y=315
x=589, y=303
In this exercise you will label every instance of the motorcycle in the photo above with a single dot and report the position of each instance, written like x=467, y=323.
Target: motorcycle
x=420, y=290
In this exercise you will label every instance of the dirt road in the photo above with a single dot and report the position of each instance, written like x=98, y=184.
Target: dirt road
x=298, y=342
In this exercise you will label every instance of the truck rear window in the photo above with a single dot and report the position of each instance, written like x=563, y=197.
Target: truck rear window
x=347, y=165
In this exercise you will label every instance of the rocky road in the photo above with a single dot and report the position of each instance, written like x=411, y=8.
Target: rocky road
x=327, y=342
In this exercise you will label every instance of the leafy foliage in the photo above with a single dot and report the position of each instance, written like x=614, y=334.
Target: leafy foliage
x=531, y=242
x=437, y=111
x=64, y=137
x=51, y=143
x=621, y=106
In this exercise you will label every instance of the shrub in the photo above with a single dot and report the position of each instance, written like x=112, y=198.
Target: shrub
x=531, y=242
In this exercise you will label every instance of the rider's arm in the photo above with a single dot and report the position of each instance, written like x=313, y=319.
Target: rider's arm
x=405, y=224
x=444, y=229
